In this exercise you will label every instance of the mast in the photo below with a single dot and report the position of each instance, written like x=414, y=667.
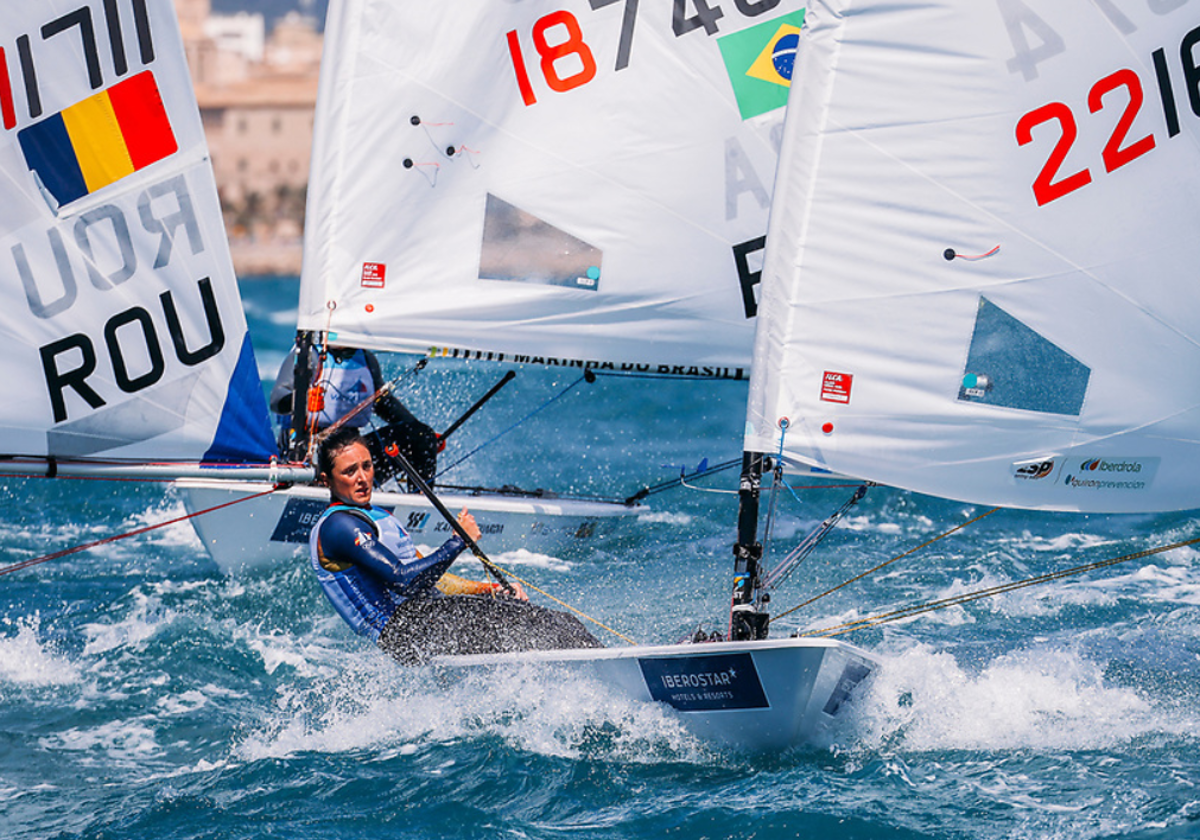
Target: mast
x=747, y=618
x=302, y=380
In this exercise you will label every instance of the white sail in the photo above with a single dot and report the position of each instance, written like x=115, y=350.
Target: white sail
x=555, y=178
x=981, y=281
x=121, y=318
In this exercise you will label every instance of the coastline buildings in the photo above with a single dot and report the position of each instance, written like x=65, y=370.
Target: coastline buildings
x=257, y=92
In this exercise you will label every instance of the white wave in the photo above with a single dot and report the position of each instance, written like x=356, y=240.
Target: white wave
x=25, y=659
x=869, y=525
x=1068, y=542
x=183, y=703
x=177, y=534
x=665, y=517
x=307, y=658
x=1172, y=584
x=119, y=740
x=379, y=706
x=145, y=619
x=1040, y=699
x=531, y=559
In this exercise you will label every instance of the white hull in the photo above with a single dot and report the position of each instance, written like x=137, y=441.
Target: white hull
x=274, y=528
x=765, y=695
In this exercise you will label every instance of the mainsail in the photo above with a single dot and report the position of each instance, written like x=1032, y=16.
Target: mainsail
x=582, y=179
x=981, y=278
x=122, y=321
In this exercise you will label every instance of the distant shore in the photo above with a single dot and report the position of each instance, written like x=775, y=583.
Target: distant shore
x=252, y=256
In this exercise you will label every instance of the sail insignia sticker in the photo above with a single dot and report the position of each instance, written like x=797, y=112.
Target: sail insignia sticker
x=1033, y=470
x=759, y=61
x=835, y=387
x=99, y=140
x=1110, y=474
x=374, y=275
x=705, y=683
x=774, y=64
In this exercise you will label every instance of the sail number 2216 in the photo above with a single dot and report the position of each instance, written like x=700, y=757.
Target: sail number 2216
x=1122, y=90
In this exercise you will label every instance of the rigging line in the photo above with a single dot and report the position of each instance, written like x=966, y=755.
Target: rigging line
x=24, y=564
x=769, y=525
x=675, y=482
x=967, y=597
x=562, y=603
x=806, y=546
x=497, y=437
x=683, y=483
x=885, y=563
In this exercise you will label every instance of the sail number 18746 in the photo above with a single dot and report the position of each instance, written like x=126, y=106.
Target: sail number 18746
x=1051, y=183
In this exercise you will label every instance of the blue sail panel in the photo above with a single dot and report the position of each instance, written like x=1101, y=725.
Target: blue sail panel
x=244, y=432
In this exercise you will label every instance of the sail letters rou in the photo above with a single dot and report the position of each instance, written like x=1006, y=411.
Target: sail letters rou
x=123, y=320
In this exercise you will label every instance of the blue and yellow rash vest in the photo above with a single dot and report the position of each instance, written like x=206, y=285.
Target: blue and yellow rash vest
x=368, y=565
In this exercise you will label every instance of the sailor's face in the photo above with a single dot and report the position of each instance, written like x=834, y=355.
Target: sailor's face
x=353, y=475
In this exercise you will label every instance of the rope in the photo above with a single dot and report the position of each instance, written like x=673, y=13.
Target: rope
x=885, y=563
x=561, y=603
x=683, y=483
x=967, y=597
x=495, y=438
x=25, y=564
x=780, y=573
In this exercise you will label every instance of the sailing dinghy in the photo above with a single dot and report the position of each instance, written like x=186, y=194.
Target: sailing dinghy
x=976, y=204
x=576, y=184
x=129, y=351
x=979, y=281
x=132, y=352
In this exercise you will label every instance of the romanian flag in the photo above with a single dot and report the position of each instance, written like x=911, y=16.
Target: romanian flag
x=759, y=62
x=100, y=140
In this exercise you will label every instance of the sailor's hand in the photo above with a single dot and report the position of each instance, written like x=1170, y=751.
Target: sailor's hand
x=518, y=592
x=467, y=521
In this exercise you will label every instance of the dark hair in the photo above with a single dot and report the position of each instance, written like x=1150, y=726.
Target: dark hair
x=332, y=444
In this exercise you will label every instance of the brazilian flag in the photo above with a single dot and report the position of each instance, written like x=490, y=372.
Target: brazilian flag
x=759, y=62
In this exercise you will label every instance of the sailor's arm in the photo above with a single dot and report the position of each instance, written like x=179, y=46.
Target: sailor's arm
x=347, y=539
x=449, y=584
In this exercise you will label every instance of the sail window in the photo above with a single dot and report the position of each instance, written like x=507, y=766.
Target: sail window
x=519, y=246
x=1011, y=365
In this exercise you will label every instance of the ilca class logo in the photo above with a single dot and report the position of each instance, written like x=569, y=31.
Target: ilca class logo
x=759, y=61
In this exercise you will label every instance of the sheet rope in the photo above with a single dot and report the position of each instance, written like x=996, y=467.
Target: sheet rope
x=25, y=564
x=562, y=603
x=988, y=592
x=884, y=564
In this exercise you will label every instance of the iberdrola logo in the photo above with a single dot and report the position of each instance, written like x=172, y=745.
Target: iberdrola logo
x=759, y=61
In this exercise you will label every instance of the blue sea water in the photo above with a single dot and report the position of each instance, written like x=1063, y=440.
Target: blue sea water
x=145, y=694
